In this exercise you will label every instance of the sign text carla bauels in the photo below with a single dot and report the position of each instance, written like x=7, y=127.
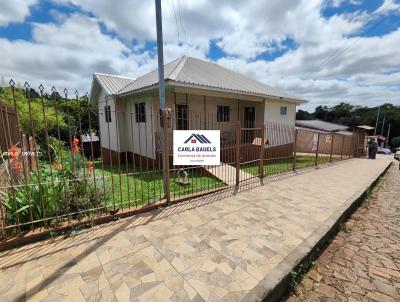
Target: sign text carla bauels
x=196, y=147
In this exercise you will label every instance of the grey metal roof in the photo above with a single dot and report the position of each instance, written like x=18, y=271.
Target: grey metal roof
x=320, y=125
x=111, y=83
x=366, y=127
x=151, y=78
x=204, y=74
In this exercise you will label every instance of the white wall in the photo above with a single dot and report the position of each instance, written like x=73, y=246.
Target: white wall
x=137, y=137
x=272, y=112
x=108, y=131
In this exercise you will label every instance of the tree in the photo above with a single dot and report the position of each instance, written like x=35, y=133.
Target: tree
x=303, y=115
x=353, y=116
x=395, y=142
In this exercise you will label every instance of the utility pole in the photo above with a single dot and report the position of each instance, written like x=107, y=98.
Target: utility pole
x=377, y=119
x=383, y=125
x=160, y=56
x=388, y=133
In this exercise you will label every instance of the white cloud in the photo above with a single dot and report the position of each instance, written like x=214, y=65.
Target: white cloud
x=330, y=62
x=14, y=11
x=388, y=6
x=67, y=55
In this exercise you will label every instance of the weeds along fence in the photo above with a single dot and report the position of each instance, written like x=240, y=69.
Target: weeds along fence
x=69, y=161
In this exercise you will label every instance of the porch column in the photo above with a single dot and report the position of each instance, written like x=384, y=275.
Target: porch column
x=238, y=110
x=205, y=113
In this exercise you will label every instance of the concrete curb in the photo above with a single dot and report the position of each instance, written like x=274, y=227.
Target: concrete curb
x=274, y=287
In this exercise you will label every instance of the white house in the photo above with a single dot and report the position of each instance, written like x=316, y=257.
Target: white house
x=201, y=94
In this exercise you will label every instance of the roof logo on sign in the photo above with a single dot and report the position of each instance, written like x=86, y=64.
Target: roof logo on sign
x=197, y=137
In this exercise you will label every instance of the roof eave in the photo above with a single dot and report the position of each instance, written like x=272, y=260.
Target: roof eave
x=169, y=82
x=188, y=85
x=140, y=90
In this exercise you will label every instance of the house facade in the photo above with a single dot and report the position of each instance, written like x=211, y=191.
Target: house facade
x=200, y=94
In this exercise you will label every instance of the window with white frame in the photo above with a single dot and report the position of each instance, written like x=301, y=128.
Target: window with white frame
x=283, y=110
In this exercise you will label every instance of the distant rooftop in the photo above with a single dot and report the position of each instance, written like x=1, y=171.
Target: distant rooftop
x=321, y=125
x=366, y=127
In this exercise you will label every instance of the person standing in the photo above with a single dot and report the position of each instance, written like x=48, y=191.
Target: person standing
x=374, y=148
x=369, y=148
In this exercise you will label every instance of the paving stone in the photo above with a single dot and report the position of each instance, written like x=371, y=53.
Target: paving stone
x=379, y=297
x=366, y=284
x=326, y=290
x=314, y=275
x=385, y=288
x=371, y=273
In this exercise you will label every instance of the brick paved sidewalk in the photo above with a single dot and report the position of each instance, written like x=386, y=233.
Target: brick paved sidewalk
x=232, y=249
x=363, y=261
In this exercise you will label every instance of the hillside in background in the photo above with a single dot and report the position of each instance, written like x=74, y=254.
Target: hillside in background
x=63, y=118
x=352, y=116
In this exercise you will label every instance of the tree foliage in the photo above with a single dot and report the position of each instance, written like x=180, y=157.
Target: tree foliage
x=396, y=142
x=62, y=117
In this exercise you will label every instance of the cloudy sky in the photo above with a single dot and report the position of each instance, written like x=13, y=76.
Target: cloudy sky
x=325, y=51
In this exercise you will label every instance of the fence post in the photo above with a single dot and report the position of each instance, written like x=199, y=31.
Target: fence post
x=341, y=152
x=166, y=156
x=26, y=160
x=33, y=150
x=262, y=144
x=330, y=155
x=352, y=147
x=316, y=151
x=238, y=154
x=295, y=149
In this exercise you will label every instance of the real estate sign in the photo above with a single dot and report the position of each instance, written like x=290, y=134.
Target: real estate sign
x=314, y=145
x=328, y=139
x=196, y=147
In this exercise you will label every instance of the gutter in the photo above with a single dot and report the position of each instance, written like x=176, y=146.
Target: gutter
x=172, y=83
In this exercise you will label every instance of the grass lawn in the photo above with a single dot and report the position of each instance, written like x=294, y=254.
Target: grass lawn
x=279, y=166
x=140, y=186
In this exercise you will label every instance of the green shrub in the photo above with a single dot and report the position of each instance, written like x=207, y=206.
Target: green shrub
x=38, y=199
x=65, y=187
x=396, y=142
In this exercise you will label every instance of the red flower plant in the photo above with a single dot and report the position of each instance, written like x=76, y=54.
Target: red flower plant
x=75, y=145
x=16, y=164
x=17, y=167
x=91, y=167
x=13, y=152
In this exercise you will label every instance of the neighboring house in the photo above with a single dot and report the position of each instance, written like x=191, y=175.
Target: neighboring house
x=202, y=95
x=351, y=141
x=319, y=125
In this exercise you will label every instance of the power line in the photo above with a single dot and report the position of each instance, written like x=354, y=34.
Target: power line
x=182, y=27
x=334, y=56
x=176, y=23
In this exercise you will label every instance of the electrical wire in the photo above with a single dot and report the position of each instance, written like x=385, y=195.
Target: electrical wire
x=177, y=26
x=182, y=27
x=341, y=52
